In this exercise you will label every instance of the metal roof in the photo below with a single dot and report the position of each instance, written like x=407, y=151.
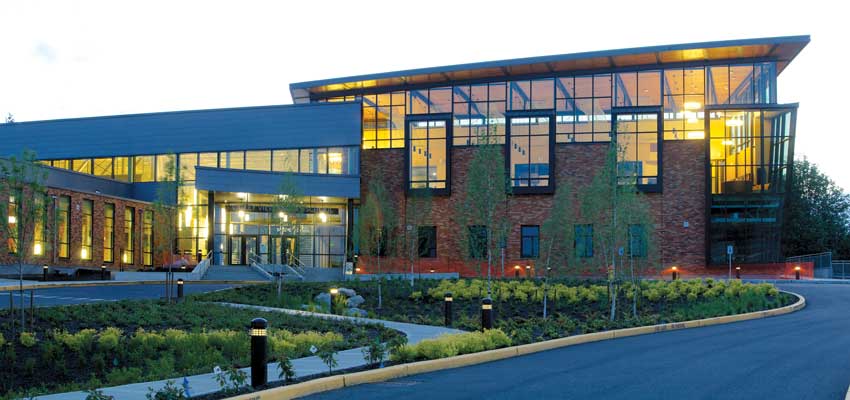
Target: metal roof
x=782, y=49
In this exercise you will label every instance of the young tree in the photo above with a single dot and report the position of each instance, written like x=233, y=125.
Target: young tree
x=557, y=237
x=286, y=207
x=417, y=213
x=167, y=215
x=817, y=214
x=484, y=208
x=378, y=223
x=639, y=224
x=24, y=182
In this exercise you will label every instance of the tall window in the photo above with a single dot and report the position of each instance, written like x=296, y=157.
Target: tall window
x=684, y=103
x=530, y=245
x=529, y=151
x=129, y=235
x=63, y=227
x=637, y=149
x=477, y=238
x=637, y=241
x=427, y=154
x=583, y=108
x=479, y=110
x=13, y=224
x=427, y=240
x=86, y=230
x=147, y=238
x=108, y=232
x=383, y=120
x=122, y=167
x=162, y=163
x=39, y=231
x=584, y=240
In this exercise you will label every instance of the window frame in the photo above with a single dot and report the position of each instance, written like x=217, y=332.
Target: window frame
x=447, y=119
x=431, y=250
x=586, y=233
x=535, y=242
x=550, y=188
x=617, y=111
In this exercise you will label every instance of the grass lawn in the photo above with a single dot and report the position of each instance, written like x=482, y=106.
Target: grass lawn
x=574, y=307
x=94, y=345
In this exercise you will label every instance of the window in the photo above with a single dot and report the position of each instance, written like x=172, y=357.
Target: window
x=307, y=162
x=232, y=160
x=584, y=240
x=532, y=95
x=39, y=231
x=147, y=238
x=478, y=113
x=258, y=160
x=13, y=226
x=82, y=166
x=129, y=235
x=165, y=167
x=637, y=241
x=63, y=227
x=741, y=84
x=209, y=160
x=108, y=232
x=121, y=168
x=427, y=239
x=583, y=108
x=530, y=245
x=641, y=88
x=383, y=120
x=529, y=152
x=427, y=155
x=86, y=230
x=684, y=104
x=143, y=168
x=637, y=150
x=63, y=164
x=188, y=161
x=285, y=160
x=477, y=238
x=103, y=167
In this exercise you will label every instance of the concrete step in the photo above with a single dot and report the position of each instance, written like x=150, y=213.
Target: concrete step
x=232, y=273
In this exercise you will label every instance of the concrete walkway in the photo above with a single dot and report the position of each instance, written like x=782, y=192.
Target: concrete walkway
x=205, y=383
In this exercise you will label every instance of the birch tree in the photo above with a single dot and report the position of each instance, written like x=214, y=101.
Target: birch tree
x=378, y=223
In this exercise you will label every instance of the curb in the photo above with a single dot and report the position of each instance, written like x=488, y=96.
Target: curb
x=15, y=287
x=421, y=367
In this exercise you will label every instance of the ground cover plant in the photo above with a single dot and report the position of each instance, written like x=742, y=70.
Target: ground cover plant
x=95, y=345
x=573, y=306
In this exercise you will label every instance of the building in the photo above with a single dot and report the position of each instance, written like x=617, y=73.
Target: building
x=705, y=138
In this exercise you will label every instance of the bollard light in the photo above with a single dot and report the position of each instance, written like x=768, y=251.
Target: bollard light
x=431, y=270
x=259, y=373
x=102, y=272
x=797, y=272
x=675, y=273
x=357, y=270
x=516, y=271
x=44, y=270
x=737, y=272
x=180, y=289
x=447, y=308
x=334, y=292
x=486, y=313
x=527, y=271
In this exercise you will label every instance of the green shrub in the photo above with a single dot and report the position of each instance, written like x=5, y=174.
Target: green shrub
x=28, y=339
x=403, y=354
x=109, y=338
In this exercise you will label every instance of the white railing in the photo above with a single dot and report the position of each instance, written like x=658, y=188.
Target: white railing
x=201, y=269
x=254, y=263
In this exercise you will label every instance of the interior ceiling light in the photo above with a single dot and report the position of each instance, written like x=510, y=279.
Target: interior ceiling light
x=734, y=122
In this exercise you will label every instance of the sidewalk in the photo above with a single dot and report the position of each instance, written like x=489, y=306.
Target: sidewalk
x=205, y=383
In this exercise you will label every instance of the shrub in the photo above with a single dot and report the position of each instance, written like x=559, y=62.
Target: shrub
x=28, y=339
x=375, y=352
x=169, y=392
x=287, y=372
x=109, y=338
x=95, y=394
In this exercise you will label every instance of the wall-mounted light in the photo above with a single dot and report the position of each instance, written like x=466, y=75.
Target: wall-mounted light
x=37, y=249
x=84, y=254
x=323, y=217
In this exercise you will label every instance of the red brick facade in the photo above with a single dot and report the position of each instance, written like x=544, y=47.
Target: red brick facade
x=683, y=199
x=75, y=244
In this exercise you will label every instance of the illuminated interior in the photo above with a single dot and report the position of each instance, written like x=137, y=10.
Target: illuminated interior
x=427, y=152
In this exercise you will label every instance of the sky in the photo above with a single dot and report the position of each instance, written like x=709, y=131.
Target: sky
x=66, y=59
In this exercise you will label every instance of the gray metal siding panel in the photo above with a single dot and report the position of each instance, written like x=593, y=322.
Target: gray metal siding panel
x=290, y=126
x=224, y=180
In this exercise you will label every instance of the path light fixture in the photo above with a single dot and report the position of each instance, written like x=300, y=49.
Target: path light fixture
x=737, y=272
x=528, y=271
x=102, y=272
x=516, y=271
x=334, y=292
x=797, y=272
x=447, y=308
x=44, y=269
x=486, y=313
x=259, y=371
x=180, y=289
x=675, y=273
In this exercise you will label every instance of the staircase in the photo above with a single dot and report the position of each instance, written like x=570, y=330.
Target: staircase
x=233, y=273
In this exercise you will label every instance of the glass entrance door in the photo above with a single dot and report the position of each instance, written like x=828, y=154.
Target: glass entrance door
x=250, y=249
x=282, y=249
x=243, y=249
x=236, y=252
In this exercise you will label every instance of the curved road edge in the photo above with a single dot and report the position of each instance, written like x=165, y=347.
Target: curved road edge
x=397, y=371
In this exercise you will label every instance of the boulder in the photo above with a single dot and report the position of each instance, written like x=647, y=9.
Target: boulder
x=347, y=292
x=356, y=312
x=323, y=298
x=355, y=301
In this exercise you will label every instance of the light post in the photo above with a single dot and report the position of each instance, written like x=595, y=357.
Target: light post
x=486, y=313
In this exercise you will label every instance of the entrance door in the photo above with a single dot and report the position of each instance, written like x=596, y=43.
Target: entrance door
x=243, y=249
x=251, y=249
x=283, y=249
x=236, y=252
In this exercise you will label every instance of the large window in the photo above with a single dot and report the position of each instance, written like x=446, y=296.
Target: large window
x=479, y=112
x=383, y=120
x=428, y=154
x=12, y=223
x=108, y=232
x=584, y=240
x=63, y=226
x=143, y=168
x=427, y=241
x=583, y=108
x=147, y=238
x=638, y=149
x=86, y=230
x=163, y=162
x=103, y=167
x=684, y=103
x=129, y=236
x=529, y=152
x=121, y=168
x=642, y=88
x=741, y=84
x=530, y=244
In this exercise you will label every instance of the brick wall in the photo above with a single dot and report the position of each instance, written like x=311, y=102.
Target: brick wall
x=682, y=199
x=75, y=243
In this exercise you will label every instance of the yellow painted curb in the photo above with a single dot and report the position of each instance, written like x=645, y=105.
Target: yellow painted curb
x=71, y=284
x=421, y=367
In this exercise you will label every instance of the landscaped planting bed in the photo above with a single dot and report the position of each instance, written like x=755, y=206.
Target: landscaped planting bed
x=89, y=346
x=574, y=306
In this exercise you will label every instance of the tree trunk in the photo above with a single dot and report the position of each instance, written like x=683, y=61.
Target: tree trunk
x=21, y=290
x=380, y=300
